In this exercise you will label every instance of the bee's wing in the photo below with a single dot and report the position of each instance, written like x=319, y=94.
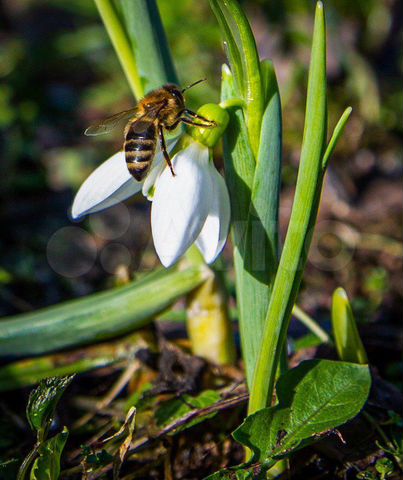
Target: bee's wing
x=110, y=123
x=142, y=123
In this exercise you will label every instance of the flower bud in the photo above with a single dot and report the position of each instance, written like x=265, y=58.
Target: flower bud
x=210, y=136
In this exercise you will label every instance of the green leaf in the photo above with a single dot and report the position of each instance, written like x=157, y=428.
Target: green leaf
x=96, y=460
x=97, y=317
x=232, y=50
x=177, y=408
x=149, y=43
x=239, y=172
x=244, y=58
x=348, y=341
x=43, y=400
x=313, y=398
x=121, y=44
x=47, y=465
x=337, y=133
x=302, y=221
x=261, y=250
x=239, y=161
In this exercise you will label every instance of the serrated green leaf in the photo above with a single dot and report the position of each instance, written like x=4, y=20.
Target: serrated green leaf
x=313, y=398
x=43, y=400
x=47, y=465
x=98, y=316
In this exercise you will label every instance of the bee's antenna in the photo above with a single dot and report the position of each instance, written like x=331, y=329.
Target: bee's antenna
x=193, y=84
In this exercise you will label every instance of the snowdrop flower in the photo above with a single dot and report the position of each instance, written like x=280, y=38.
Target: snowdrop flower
x=191, y=207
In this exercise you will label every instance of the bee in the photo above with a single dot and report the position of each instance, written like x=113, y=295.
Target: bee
x=161, y=109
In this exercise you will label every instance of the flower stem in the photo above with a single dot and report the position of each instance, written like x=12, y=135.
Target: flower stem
x=303, y=217
x=121, y=45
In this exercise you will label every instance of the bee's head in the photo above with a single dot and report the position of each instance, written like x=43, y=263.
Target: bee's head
x=175, y=92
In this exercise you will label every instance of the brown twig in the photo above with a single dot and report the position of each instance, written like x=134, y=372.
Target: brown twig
x=122, y=381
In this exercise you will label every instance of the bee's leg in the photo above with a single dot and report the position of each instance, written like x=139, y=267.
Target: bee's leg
x=192, y=118
x=164, y=148
x=173, y=126
x=195, y=124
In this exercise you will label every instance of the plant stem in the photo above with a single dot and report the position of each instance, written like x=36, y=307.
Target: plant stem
x=310, y=323
x=121, y=45
x=23, y=470
x=300, y=230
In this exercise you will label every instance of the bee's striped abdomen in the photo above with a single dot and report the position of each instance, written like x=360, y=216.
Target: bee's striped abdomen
x=139, y=147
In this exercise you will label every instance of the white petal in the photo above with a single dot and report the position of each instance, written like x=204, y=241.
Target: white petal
x=214, y=233
x=181, y=203
x=109, y=184
x=157, y=168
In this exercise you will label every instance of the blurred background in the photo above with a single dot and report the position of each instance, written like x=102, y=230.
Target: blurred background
x=58, y=74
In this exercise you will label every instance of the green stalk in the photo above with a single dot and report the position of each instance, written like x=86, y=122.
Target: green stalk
x=149, y=43
x=121, y=45
x=300, y=230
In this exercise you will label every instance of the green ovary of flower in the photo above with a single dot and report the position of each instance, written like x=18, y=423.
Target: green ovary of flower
x=210, y=136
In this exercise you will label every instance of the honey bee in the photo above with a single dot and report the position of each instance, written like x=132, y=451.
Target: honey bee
x=160, y=109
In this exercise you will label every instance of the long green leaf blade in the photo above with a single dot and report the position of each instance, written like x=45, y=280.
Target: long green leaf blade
x=337, y=133
x=233, y=53
x=121, y=44
x=262, y=242
x=96, y=317
x=244, y=56
x=239, y=171
x=301, y=224
x=149, y=43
